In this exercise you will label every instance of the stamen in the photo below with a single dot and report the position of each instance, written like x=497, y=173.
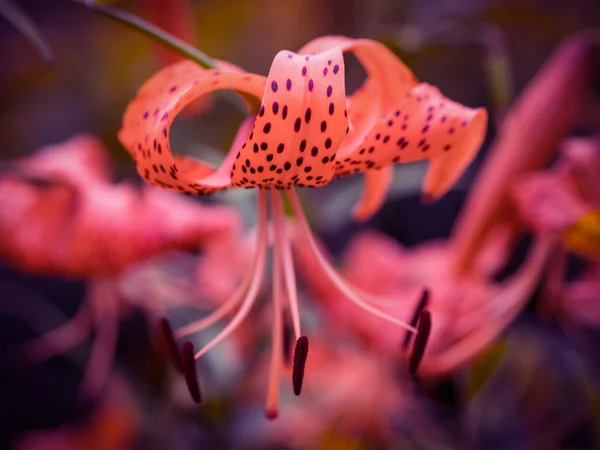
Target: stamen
x=423, y=303
x=343, y=286
x=421, y=339
x=287, y=340
x=189, y=371
x=170, y=345
x=283, y=245
x=219, y=313
x=272, y=403
x=256, y=280
x=300, y=355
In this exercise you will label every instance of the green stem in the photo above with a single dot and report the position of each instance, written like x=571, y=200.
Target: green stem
x=163, y=37
x=152, y=31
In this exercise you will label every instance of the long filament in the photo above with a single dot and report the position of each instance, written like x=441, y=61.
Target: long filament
x=283, y=246
x=272, y=403
x=341, y=285
x=256, y=279
x=220, y=312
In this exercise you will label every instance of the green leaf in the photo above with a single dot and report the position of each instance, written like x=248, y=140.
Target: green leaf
x=16, y=16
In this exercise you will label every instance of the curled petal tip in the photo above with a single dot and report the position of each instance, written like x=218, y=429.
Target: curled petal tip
x=189, y=368
x=423, y=332
x=271, y=414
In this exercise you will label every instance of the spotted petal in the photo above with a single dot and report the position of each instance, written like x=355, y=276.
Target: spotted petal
x=423, y=126
x=388, y=80
x=300, y=126
x=148, y=118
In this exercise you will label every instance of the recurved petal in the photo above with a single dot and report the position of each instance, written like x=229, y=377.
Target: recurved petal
x=388, y=80
x=148, y=118
x=377, y=185
x=300, y=125
x=423, y=126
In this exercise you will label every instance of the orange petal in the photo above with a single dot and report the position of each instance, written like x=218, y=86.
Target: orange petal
x=388, y=80
x=423, y=126
x=377, y=184
x=148, y=118
x=300, y=125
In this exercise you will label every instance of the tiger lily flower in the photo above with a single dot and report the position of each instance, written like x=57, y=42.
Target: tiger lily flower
x=62, y=215
x=304, y=134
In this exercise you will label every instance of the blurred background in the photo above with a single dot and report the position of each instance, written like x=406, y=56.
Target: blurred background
x=535, y=387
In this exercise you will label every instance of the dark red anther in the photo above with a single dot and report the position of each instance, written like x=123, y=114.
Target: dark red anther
x=300, y=355
x=170, y=346
x=423, y=332
x=423, y=303
x=189, y=371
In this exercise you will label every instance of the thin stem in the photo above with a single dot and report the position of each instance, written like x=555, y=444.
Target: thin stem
x=169, y=40
x=283, y=246
x=342, y=286
x=257, y=276
x=152, y=31
x=15, y=15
